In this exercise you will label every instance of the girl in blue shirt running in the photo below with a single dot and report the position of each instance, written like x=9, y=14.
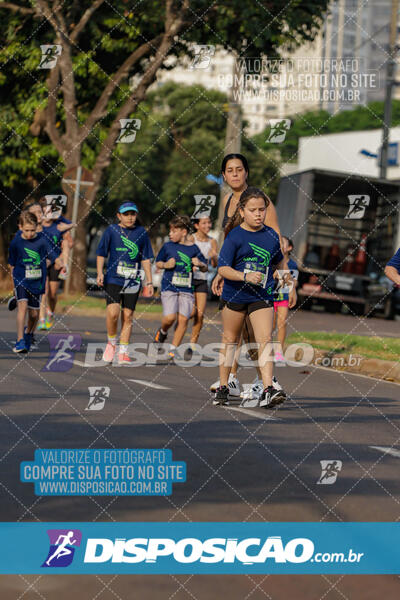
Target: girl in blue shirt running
x=247, y=260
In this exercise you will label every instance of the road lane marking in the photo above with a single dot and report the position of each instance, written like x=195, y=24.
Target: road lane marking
x=252, y=413
x=155, y=386
x=98, y=363
x=387, y=450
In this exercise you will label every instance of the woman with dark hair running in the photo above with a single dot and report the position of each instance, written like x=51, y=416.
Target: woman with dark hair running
x=235, y=171
x=248, y=257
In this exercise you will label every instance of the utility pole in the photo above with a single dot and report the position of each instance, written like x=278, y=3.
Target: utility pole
x=233, y=135
x=390, y=74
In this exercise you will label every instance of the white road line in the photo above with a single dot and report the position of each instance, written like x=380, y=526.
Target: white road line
x=98, y=363
x=387, y=450
x=252, y=413
x=155, y=386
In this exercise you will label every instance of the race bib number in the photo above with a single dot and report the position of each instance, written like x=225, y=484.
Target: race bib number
x=182, y=279
x=127, y=271
x=33, y=272
x=264, y=279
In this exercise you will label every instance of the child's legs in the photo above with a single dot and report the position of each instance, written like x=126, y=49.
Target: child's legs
x=126, y=325
x=200, y=307
x=33, y=318
x=112, y=316
x=129, y=300
x=248, y=338
x=185, y=307
x=282, y=314
x=43, y=303
x=232, y=322
x=21, y=316
x=170, y=304
x=52, y=295
x=261, y=321
x=180, y=329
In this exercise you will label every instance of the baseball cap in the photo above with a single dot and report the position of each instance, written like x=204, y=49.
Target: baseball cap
x=126, y=206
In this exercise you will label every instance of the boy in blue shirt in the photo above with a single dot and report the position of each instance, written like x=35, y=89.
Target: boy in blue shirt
x=177, y=258
x=28, y=261
x=392, y=269
x=127, y=247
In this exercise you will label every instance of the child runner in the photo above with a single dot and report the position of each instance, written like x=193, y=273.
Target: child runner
x=281, y=298
x=127, y=247
x=27, y=258
x=246, y=261
x=209, y=249
x=177, y=297
x=54, y=231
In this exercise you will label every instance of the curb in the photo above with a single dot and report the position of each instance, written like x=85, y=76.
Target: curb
x=387, y=370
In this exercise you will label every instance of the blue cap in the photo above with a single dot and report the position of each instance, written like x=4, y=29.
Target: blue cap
x=126, y=206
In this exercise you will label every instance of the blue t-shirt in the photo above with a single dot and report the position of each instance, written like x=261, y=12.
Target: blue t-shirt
x=53, y=237
x=250, y=251
x=180, y=278
x=126, y=248
x=28, y=257
x=395, y=261
x=280, y=295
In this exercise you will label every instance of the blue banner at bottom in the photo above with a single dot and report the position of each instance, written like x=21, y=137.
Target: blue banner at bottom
x=208, y=548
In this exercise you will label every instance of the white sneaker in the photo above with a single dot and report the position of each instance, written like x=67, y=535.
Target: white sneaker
x=252, y=391
x=233, y=385
x=275, y=384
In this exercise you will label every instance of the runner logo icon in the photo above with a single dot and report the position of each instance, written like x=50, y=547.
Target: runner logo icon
x=202, y=56
x=62, y=547
x=330, y=470
x=62, y=351
x=98, y=397
x=204, y=204
x=358, y=204
x=279, y=129
x=129, y=127
x=50, y=54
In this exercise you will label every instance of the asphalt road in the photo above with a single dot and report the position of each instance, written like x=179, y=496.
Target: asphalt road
x=241, y=465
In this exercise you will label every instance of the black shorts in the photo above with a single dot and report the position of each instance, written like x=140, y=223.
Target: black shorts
x=115, y=295
x=247, y=308
x=53, y=273
x=200, y=285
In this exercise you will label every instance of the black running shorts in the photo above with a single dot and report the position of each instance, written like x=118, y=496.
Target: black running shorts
x=200, y=285
x=247, y=308
x=53, y=273
x=115, y=295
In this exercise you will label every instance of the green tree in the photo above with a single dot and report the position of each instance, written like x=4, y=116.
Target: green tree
x=78, y=104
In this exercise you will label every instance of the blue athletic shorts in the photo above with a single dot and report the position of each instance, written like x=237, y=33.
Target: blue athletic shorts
x=23, y=293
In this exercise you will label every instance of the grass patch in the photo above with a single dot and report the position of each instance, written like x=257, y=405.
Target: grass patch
x=94, y=303
x=384, y=348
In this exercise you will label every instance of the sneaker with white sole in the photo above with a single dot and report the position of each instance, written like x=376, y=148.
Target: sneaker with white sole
x=124, y=359
x=233, y=385
x=109, y=352
x=271, y=397
x=276, y=385
x=221, y=395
